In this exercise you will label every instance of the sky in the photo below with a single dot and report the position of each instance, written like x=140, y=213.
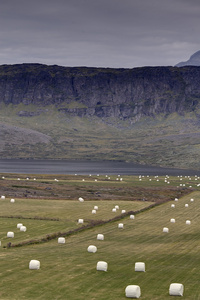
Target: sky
x=99, y=33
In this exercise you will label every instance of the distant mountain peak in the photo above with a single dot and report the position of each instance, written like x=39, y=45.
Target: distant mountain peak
x=193, y=61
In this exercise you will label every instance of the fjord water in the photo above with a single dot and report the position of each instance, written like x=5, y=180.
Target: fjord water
x=28, y=166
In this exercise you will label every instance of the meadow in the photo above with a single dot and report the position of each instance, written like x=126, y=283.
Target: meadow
x=68, y=271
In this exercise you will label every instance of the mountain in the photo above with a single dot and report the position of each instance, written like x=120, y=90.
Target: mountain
x=193, y=61
x=147, y=115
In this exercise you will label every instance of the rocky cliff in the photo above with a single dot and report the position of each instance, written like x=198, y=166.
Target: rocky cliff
x=101, y=92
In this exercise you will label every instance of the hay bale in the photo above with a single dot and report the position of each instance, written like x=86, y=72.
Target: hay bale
x=3, y=197
x=133, y=291
x=19, y=225
x=96, y=207
x=132, y=217
x=165, y=229
x=100, y=237
x=114, y=210
x=140, y=267
x=12, y=200
x=80, y=221
x=173, y=205
x=10, y=234
x=117, y=206
x=188, y=222
x=94, y=211
x=191, y=200
x=123, y=211
x=120, y=225
x=172, y=220
x=34, y=264
x=176, y=199
x=102, y=266
x=61, y=240
x=23, y=228
x=186, y=205
x=176, y=289
x=80, y=199
x=92, y=249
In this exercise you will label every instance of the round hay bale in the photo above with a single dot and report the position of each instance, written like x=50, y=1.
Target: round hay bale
x=172, y=205
x=114, y=210
x=188, y=222
x=80, y=221
x=96, y=207
x=100, y=237
x=117, y=206
x=19, y=225
x=12, y=200
x=92, y=249
x=186, y=205
x=133, y=291
x=102, y=266
x=172, y=220
x=165, y=229
x=34, y=264
x=10, y=234
x=94, y=211
x=140, y=267
x=176, y=289
x=80, y=199
x=23, y=228
x=132, y=217
x=3, y=197
x=123, y=211
x=61, y=240
x=121, y=225
x=191, y=200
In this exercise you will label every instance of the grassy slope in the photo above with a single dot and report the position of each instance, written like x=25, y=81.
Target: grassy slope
x=69, y=271
x=167, y=141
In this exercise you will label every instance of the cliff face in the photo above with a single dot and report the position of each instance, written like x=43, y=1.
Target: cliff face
x=102, y=92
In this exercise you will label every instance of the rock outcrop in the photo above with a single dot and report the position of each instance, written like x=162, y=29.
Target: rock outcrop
x=193, y=61
x=101, y=92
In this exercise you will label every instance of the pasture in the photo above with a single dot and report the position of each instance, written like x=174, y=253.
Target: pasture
x=68, y=271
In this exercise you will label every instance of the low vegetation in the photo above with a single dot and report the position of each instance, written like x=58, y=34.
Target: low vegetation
x=67, y=270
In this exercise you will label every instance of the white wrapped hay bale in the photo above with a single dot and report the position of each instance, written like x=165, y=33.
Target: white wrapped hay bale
x=12, y=200
x=176, y=289
x=121, y=225
x=96, y=207
x=176, y=199
x=100, y=237
x=172, y=220
x=34, y=264
x=191, y=200
x=3, y=197
x=19, y=225
x=80, y=221
x=133, y=291
x=123, y=211
x=132, y=217
x=23, y=228
x=61, y=240
x=80, y=199
x=186, y=205
x=140, y=267
x=165, y=229
x=102, y=266
x=172, y=205
x=188, y=222
x=117, y=206
x=92, y=249
x=10, y=234
x=114, y=210
x=94, y=211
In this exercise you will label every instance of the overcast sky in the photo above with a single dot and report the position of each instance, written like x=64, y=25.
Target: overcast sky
x=99, y=33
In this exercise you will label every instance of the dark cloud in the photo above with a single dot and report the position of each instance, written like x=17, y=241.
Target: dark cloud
x=108, y=33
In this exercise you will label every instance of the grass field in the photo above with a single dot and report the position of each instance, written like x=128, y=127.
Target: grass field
x=68, y=271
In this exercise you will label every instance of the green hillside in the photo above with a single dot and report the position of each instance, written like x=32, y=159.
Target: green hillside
x=172, y=140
